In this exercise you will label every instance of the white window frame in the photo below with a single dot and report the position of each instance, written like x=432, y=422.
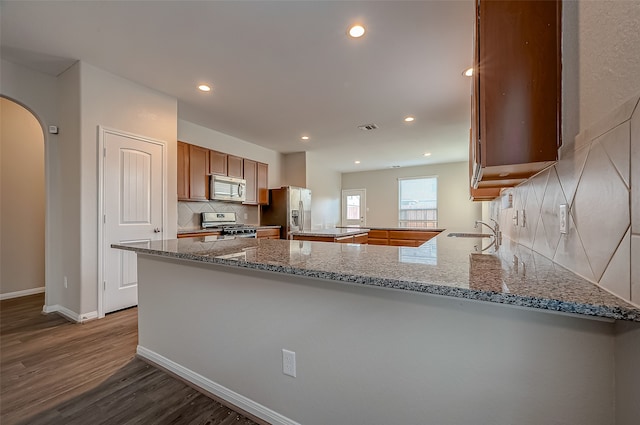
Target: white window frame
x=426, y=223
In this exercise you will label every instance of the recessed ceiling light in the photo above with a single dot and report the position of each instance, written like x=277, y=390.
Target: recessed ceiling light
x=356, y=31
x=204, y=87
x=305, y=137
x=468, y=72
x=427, y=154
x=356, y=162
x=409, y=119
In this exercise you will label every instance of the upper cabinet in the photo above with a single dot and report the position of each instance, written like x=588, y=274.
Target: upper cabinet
x=183, y=171
x=262, y=184
x=250, y=175
x=196, y=164
x=516, y=96
x=217, y=163
x=198, y=173
x=235, y=166
x=193, y=166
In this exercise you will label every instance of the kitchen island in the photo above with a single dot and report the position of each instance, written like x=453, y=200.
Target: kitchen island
x=435, y=334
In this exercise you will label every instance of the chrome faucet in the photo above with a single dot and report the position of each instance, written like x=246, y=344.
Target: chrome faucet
x=497, y=234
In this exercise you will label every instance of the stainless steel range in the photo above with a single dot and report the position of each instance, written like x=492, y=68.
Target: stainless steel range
x=227, y=224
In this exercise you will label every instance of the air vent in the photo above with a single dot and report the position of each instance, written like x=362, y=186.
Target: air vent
x=368, y=127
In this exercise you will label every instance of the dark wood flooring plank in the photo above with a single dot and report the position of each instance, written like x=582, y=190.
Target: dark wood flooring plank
x=56, y=372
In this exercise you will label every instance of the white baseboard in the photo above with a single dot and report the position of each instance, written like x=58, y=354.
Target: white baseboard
x=23, y=293
x=70, y=314
x=218, y=390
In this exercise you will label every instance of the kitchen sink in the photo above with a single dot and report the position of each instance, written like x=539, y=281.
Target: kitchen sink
x=469, y=235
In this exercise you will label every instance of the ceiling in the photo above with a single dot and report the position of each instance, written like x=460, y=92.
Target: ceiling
x=279, y=69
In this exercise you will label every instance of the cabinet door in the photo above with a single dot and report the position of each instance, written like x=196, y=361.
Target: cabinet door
x=183, y=171
x=234, y=166
x=263, y=184
x=198, y=173
x=361, y=239
x=517, y=86
x=217, y=163
x=250, y=175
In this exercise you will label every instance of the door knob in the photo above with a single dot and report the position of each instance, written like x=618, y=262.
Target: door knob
x=156, y=230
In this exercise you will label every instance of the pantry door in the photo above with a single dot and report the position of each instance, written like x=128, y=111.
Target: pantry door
x=354, y=207
x=132, y=210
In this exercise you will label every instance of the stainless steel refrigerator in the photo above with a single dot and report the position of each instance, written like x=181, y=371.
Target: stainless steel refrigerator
x=290, y=208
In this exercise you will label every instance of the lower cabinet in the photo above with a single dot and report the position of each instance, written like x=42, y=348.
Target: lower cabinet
x=360, y=238
x=400, y=237
x=268, y=233
x=197, y=234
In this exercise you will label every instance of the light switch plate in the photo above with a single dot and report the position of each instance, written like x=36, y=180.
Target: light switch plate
x=564, y=219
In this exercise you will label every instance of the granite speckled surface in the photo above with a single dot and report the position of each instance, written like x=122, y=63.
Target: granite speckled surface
x=443, y=266
x=412, y=229
x=334, y=232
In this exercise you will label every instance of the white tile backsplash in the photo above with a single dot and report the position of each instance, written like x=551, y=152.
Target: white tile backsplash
x=600, y=209
x=599, y=178
x=616, y=144
x=635, y=173
x=635, y=269
x=189, y=213
x=617, y=276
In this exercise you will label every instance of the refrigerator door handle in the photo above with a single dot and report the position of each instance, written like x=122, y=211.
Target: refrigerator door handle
x=301, y=208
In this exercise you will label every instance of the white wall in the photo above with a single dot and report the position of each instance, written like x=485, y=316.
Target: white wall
x=375, y=356
x=38, y=93
x=114, y=102
x=202, y=136
x=294, y=169
x=455, y=210
x=22, y=206
x=608, y=56
x=325, y=185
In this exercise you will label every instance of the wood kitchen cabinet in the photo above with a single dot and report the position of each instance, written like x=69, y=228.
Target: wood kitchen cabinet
x=359, y=238
x=198, y=173
x=235, y=166
x=250, y=175
x=256, y=174
x=196, y=164
x=262, y=183
x=516, y=91
x=197, y=234
x=271, y=233
x=398, y=237
x=193, y=170
x=183, y=171
x=217, y=163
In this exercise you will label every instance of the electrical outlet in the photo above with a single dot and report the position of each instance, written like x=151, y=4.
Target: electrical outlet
x=66, y=285
x=564, y=219
x=289, y=362
x=246, y=216
x=515, y=218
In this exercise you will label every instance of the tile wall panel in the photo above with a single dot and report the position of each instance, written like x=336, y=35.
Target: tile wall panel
x=599, y=178
x=189, y=213
x=600, y=209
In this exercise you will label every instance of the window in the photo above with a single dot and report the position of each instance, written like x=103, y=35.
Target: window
x=418, y=202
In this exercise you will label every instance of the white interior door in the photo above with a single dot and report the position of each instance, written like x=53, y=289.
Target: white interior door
x=133, y=200
x=354, y=207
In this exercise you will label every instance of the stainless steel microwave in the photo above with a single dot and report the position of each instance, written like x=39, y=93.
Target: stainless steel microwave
x=227, y=189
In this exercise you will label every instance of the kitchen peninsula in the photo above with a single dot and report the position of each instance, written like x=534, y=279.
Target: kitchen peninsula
x=383, y=334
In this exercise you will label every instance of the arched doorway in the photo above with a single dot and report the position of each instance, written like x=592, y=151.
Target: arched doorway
x=22, y=203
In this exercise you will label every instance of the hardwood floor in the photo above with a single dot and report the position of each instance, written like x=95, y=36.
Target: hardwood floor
x=56, y=372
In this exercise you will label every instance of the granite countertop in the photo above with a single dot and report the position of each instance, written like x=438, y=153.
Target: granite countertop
x=446, y=266
x=412, y=229
x=336, y=232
